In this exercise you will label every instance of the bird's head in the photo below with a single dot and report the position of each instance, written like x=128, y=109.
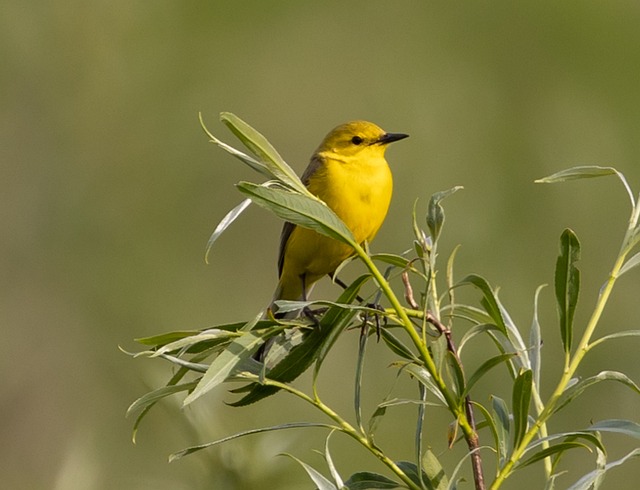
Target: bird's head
x=358, y=138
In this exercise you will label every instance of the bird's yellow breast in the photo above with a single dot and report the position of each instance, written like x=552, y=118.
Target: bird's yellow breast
x=358, y=190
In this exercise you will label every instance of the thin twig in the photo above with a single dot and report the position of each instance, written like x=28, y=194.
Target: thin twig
x=473, y=441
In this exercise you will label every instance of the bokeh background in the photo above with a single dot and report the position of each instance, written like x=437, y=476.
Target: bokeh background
x=109, y=191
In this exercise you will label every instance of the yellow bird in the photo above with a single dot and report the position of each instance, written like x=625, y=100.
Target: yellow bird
x=349, y=173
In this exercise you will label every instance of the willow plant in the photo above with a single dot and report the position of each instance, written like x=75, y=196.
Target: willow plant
x=418, y=329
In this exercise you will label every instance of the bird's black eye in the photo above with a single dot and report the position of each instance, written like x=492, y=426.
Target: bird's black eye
x=356, y=140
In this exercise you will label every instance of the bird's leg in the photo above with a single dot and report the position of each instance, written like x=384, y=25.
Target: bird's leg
x=306, y=311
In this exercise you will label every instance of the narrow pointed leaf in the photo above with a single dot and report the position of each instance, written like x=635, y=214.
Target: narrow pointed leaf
x=617, y=335
x=335, y=320
x=411, y=470
x=595, y=477
x=357, y=396
x=154, y=396
x=630, y=264
x=458, y=375
x=321, y=482
x=223, y=365
x=578, y=388
x=295, y=425
x=581, y=172
x=489, y=300
x=520, y=403
x=567, y=285
x=419, y=426
x=586, y=172
x=491, y=423
x=435, y=213
x=397, y=346
x=300, y=210
x=621, y=426
x=516, y=342
x=535, y=341
x=569, y=436
x=366, y=480
x=265, y=152
x=229, y=218
x=434, y=470
x=423, y=376
x=165, y=338
x=332, y=468
x=210, y=334
x=556, y=449
x=484, y=368
x=392, y=259
x=503, y=428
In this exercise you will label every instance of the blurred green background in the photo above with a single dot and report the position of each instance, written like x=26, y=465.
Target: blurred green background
x=109, y=191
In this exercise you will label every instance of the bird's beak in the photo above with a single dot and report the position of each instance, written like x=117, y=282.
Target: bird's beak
x=390, y=138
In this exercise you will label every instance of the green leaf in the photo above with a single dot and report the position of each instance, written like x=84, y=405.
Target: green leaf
x=229, y=218
x=621, y=426
x=154, y=396
x=458, y=375
x=576, y=389
x=595, y=477
x=265, y=152
x=223, y=366
x=397, y=346
x=567, y=282
x=617, y=335
x=491, y=423
x=365, y=480
x=318, y=479
x=434, y=470
x=296, y=425
x=421, y=245
x=299, y=210
x=581, y=172
x=535, y=341
x=209, y=334
x=313, y=348
x=484, y=368
x=478, y=330
x=411, y=470
x=420, y=424
x=569, y=436
x=585, y=172
x=503, y=428
x=191, y=366
x=550, y=451
x=489, y=301
x=630, y=264
x=332, y=468
x=336, y=319
x=435, y=212
x=472, y=314
x=392, y=259
x=165, y=338
x=423, y=376
x=520, y=402
x=251, y=162
x=357, y=399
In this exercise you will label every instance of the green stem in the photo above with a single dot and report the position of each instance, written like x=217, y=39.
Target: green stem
x=347, y=429
x=568, y=373
x=456, y=409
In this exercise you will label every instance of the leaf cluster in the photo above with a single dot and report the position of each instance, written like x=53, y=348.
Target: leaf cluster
x=428, y=332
